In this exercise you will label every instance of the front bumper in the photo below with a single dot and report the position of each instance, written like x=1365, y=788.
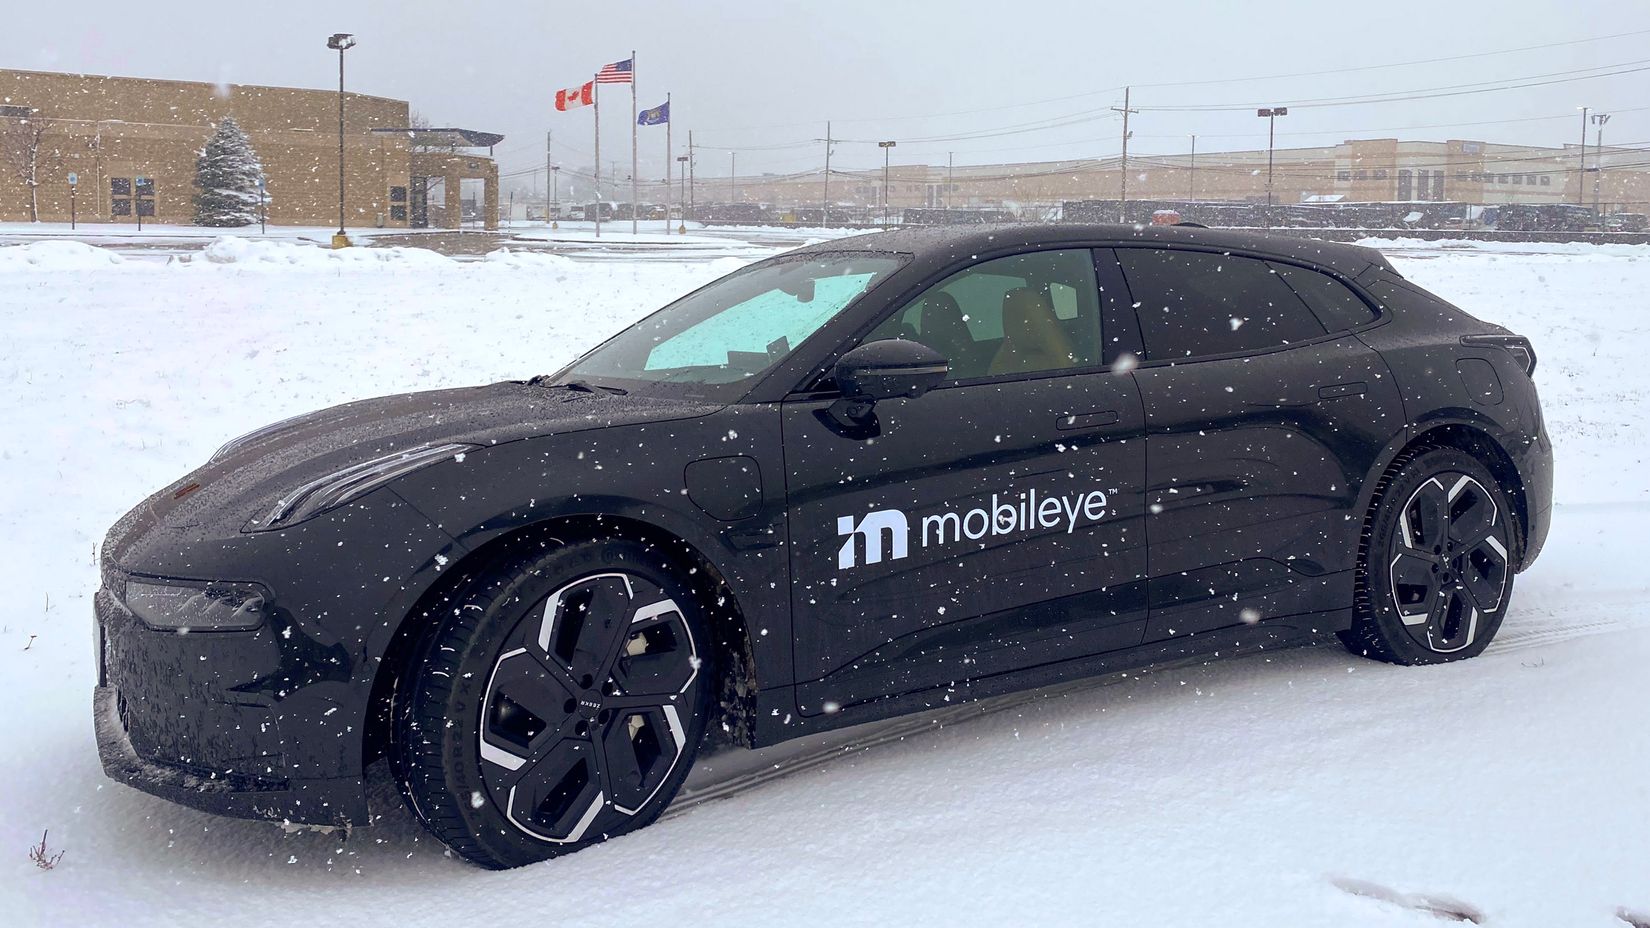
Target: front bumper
x=198, y=719
x=338, y=801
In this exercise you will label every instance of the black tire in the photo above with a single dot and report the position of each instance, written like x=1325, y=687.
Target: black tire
x=511, y=752
x=1437, y=571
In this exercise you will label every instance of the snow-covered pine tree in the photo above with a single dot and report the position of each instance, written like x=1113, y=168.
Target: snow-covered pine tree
x=226, y=175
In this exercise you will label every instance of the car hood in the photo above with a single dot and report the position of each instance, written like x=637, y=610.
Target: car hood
x=251, y=473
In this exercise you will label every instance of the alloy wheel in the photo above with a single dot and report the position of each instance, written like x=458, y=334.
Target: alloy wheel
x=582, y=719
x=1449, y=565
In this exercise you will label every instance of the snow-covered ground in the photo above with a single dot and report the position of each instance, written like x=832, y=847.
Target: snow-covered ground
x=1302, y=788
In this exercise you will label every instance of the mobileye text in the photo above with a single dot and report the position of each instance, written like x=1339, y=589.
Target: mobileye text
x=889, y=530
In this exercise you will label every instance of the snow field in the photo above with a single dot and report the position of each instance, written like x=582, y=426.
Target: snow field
x=1236, y=793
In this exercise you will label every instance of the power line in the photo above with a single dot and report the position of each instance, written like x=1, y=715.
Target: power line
x=1451, y=90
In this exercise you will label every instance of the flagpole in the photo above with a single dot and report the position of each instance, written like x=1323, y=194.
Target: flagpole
x=634, y=205
x=596, y=101
x=667, y=164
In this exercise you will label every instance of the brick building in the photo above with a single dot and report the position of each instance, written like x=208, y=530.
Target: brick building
x=132, y=144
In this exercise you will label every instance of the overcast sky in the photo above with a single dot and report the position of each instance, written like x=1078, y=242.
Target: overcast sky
x=763, y=77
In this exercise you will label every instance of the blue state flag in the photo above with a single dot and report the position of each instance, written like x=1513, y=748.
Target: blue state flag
x=657, y=116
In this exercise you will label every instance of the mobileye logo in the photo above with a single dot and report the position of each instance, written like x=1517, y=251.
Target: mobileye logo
x=885, y=534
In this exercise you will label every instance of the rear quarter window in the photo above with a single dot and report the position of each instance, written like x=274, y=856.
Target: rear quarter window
x=1333, y=302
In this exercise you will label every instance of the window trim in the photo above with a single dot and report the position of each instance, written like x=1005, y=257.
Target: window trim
x=1381, y=315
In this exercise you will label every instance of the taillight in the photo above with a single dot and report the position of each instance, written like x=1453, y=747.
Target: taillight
x=1517, y=345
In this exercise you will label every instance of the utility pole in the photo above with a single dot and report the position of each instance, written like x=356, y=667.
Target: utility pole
x=950, y=175
x=825, y=206
x=1191, y=191
x=886, y=148
x=1270, y=114
x=1599, y=119
x=1123, y=175
x=555, y=196
x=1581, y=178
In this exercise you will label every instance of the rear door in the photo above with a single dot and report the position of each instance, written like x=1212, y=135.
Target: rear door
x=1263, y=415
x=991, y=524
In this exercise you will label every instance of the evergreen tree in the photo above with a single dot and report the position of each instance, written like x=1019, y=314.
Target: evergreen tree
x=226, y=173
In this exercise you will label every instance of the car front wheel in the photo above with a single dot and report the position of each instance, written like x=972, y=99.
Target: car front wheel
x=559, y=702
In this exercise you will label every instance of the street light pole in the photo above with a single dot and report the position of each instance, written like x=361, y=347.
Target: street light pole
x=1599, y=119
x=555, y=196
x=342, y=41
x=886, y=148
x=681, y=228
x=1270, y=114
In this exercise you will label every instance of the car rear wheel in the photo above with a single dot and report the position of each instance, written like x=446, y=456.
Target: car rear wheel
x=559, y=702
x=1438, y=567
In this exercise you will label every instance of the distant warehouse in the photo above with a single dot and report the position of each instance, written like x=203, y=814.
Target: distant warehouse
x=131, y=143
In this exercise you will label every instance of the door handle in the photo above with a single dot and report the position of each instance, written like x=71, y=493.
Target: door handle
x=1337, y=390
x=1087, y=420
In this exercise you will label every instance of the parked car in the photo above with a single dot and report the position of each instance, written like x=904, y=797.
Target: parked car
x=860, y=479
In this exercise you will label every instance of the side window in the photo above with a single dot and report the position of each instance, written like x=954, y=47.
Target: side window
x=1194, y=304
x=1017, y=315
x=1336, y=306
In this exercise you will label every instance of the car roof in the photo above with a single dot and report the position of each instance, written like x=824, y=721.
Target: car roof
x=938, y=241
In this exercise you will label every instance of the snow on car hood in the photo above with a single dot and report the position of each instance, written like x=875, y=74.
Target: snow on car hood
x=250, y=474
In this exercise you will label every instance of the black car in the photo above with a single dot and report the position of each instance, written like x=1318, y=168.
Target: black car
x=860, y=479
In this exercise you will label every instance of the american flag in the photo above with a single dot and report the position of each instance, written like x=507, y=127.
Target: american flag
x=619, y=72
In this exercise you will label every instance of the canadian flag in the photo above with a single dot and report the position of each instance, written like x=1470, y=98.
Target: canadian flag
x=575, y=96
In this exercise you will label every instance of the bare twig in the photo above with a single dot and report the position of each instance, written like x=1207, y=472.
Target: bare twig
x=43, y=858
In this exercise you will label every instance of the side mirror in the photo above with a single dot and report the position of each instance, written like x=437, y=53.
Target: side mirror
x=888, y=368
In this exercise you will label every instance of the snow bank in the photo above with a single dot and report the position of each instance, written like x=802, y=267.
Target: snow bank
x=56, y=256
x=1579, y=249
x=258, y=253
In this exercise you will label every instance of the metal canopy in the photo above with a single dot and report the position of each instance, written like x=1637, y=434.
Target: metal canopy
x=460, y=138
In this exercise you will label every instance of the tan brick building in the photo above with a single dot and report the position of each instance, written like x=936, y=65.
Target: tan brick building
x=132, y=144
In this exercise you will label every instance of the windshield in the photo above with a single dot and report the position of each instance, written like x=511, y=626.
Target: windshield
x=717, y=339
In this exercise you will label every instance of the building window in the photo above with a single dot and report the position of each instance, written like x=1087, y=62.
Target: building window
x=1405, y=188
x=146, y=187
x=1360, y=175
x=1343, y=175
x=120, y=186
x=120, y=207
x=1380, y=173
x=398, y=213
x=146, y=207
x=398, y=195
x=16, y=112
x=1437, y=185
x=1546, y=180
x=1518, y=178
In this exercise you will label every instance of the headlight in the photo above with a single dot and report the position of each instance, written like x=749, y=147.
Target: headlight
x=338, y=488
x=211, y=607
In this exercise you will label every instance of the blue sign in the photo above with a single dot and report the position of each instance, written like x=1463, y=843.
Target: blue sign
x=73, y=178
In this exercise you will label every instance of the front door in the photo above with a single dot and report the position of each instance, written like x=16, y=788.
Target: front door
x=990, y=525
